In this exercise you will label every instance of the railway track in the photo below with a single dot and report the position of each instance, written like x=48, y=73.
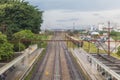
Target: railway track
x=53, y=69
x=107, y=58
x=109, y=61
x=74, y=71
x=57, y=64
x=41, y=65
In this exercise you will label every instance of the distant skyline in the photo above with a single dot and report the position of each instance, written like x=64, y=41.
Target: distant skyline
x=69, y=13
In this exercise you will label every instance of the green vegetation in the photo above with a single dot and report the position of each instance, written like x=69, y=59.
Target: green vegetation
x=24, y=38
x=115, y=55
x=21, y=40
x=118, y=52
x=71, y=44
x=115, y=35
x=25, y=35
x=101, y=32
x=17, y=15
x=19, y=23
x=48, y=32
x=19, y=47
x=42, y=43
x=74, y=32
x=6, y=49
x=91, y=48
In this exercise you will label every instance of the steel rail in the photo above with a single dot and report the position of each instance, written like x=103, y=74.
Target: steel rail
x=74, y=72
x=57, y=64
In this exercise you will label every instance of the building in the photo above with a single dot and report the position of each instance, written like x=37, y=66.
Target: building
x=103, y=27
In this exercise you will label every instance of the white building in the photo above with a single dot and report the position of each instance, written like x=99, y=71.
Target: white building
x=93, y=28
x=117, y=29
x=101, y=26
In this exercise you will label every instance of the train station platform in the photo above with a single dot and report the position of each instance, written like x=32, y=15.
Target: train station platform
x=98, y=66
x=88, y=69
x=22, y=68
x=110, y=62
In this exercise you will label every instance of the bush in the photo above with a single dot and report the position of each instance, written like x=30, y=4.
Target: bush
x=6, y=49
x=19, y=47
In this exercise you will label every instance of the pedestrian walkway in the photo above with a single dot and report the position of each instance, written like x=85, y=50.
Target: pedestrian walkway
x=81, y=57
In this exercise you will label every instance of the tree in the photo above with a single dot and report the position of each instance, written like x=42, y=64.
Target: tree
x=6, y=49
x=23, y=37
x=24, y=34
x=3, y=1
x=76, y=31
x=16, y=15
x=19, y=47
x=114, y=33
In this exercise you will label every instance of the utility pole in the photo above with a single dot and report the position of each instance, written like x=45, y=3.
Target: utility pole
x=109, y=38
x=73, y=26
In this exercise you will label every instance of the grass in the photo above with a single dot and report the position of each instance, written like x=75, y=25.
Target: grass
x=71, y=44
x=87, y=46
x=49, y=37
x=43, y=44
x=29, y=76
x=115, y=55
x=116, y=37
x=44, y=37
x=91, y=48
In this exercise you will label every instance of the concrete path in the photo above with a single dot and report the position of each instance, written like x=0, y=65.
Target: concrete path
x=21, y=68
x=81, y=57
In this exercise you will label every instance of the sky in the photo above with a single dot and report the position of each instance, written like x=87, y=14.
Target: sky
x=77, y=13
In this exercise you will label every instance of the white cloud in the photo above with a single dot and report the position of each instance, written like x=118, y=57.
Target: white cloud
x=80, y=12
x=64, y=19
x=82, y=5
